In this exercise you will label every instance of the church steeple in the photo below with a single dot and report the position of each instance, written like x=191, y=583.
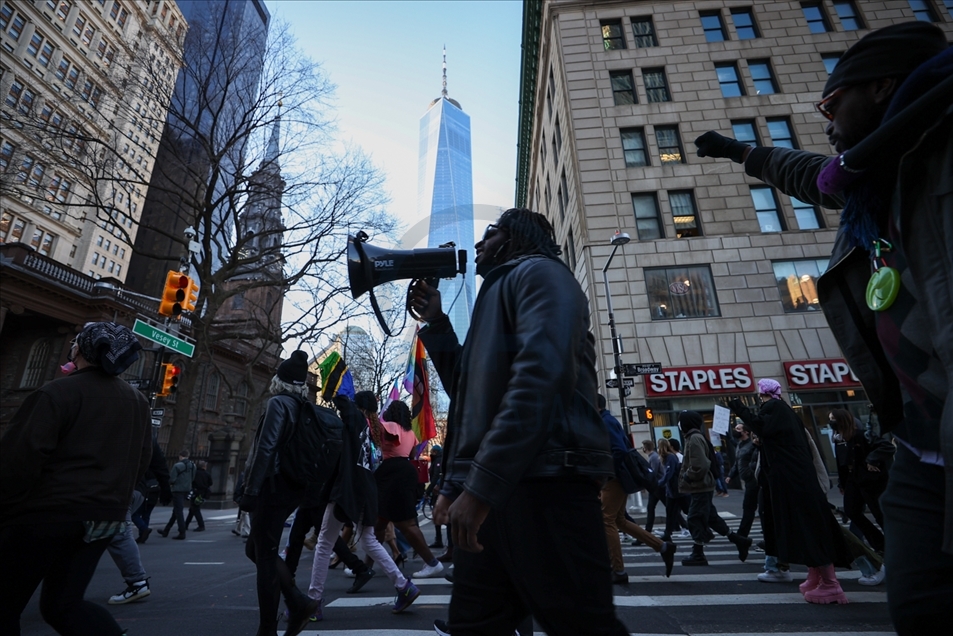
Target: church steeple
x=270, y=161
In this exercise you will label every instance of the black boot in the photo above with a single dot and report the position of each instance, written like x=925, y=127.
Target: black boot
x=697, y=557
x=743, y=544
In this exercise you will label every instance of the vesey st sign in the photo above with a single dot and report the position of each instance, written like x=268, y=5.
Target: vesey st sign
x=701, y=380
x=819, y=374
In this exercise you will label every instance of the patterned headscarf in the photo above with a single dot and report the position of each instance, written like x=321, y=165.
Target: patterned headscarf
x=109, y=346
x=770, y=387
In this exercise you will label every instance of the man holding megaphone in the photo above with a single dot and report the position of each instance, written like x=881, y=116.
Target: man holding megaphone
x=526, y=450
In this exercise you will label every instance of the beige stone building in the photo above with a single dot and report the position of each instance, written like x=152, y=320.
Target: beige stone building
x=82, y=84
x=717, y=283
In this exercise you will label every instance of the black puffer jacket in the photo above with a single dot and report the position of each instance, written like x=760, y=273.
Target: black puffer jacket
x=523, y=386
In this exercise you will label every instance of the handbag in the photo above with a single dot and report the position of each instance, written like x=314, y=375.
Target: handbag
x=635, y=474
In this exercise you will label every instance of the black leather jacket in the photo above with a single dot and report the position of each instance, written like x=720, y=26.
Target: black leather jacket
x=523, y=386
x=264, y=457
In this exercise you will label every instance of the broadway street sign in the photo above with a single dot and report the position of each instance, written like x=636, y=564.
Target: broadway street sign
x=167, y=340
x=644, y=368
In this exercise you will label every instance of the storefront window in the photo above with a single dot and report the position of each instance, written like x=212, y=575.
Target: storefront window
x=797, y=282
x=814, y=408
x=681, y=292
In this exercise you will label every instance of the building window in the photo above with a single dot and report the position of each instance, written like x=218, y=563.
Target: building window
x=684, y=214
x=564, y=188
x=847, y=12
x=681, y=292
x=62, y=11
x=570, y=252
x=762, y=77
x=6, y=220
x=211, y=391
x=36, y=364
x=744, y=24
x=612, y=36
x=781, y=133
x=13, y=95
x=557, y=140
x=830, y=61
x=16, y=26
x=669, y=144
x=728, y=80
x=623, y=89
x=815, y=17
x=550, y=91
x=713, y=27
x=797, y=282
x=922, y=10
x=45, y=54
x=562, y=206
x=542, y=152
x=745, y=132
x=6, y=12
x=16, y=227
x=806, y=215
x=644, y=31
x=949, y=6
x=656, y=86
x=240, y=399
x=35, y=43
x=633, y=148
x=6, y=155
x=114, y=12
x=766, y=207
x=648, y=223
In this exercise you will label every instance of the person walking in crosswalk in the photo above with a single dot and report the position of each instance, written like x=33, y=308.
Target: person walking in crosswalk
x=798, y=526
x=697, y=477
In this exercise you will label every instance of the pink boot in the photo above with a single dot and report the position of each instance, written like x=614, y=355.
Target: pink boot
x=828, y=590
x=813, y=579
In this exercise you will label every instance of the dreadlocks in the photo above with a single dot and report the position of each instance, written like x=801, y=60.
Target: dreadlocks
x=529, y=232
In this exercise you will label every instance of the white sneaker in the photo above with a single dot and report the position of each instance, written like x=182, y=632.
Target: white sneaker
x=658, y=533
x=684, y=534
x=349, y=572
x=429, y=570
x=876, y=579
x=775, y=577
x=134, y=592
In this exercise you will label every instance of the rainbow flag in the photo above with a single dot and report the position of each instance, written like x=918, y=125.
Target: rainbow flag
x=420, y=411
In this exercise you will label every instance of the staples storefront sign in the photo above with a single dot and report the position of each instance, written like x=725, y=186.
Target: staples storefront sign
x=814, y=375
x=705, y=380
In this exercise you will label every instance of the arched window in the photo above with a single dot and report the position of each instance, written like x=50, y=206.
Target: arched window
x=241, y=399
x=36, y=364
x=211, y=391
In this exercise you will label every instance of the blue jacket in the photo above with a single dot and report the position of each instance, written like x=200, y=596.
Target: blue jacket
x=619, y=442
x=669, y=478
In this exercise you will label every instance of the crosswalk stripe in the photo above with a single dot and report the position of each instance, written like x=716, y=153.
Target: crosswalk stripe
x=736, y=599
x=734, y=561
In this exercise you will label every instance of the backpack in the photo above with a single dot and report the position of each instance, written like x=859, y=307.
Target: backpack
x=635, y=474
x=312, y=447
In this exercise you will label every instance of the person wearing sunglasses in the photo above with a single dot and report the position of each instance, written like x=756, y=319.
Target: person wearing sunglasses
x=526, y=450
x=888, y=291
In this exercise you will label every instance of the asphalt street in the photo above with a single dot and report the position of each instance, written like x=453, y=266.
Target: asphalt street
x=205, y=586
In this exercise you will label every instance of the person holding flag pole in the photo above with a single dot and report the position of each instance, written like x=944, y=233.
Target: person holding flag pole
x=402, y=431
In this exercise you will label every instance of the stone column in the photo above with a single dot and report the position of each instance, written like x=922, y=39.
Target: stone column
x=223, y=464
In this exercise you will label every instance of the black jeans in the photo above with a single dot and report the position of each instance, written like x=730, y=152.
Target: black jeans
x=855, y=496
x=749, y=507
x=545, y=554
x=920, y=576
x=655, y=496
x=195, y=510
x=55, y=554
x=703, y=518
x=674, y=507
x=178, y=505
x=276, y=502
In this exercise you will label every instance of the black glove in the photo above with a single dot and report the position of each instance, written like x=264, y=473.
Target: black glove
x=711, y=144
x=736, y=406
x=249, y=503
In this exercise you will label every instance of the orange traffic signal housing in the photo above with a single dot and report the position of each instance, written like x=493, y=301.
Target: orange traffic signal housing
x=170, y=379
x=191, y=295
x=177, y=286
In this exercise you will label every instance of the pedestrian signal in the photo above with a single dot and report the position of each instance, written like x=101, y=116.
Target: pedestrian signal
x=177, y=286
x=170, y=379
x=645, y=414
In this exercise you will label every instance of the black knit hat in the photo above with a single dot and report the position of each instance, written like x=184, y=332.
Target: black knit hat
x=893, y=51
x=294, y=370
x=688, y=420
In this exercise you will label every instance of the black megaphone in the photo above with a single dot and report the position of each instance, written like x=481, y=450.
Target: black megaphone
x=369, y=266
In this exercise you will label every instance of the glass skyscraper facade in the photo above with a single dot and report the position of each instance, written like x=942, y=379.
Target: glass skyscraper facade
x=445, y=193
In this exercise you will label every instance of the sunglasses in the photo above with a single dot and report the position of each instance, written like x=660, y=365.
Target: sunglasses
x=491, y=230
x=827, y=105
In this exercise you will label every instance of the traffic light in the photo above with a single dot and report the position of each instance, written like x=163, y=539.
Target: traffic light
x=170, y=379
x=177, y=286
x=191, y=295
x=645, y=414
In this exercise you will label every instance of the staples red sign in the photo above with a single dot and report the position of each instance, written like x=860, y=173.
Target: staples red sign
x=705, y=380
x=819, y=374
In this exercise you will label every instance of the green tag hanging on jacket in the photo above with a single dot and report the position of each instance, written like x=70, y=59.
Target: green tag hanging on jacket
x=884, y=283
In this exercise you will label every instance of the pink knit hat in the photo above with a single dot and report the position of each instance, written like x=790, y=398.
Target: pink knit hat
x=770, y=387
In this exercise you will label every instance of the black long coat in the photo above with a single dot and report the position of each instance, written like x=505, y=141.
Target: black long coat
x=801, y=524
x=352, y=485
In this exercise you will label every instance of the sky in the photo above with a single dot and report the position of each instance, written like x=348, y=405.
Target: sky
x=385, y=59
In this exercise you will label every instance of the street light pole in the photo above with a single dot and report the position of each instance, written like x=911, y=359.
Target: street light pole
x=618, y=239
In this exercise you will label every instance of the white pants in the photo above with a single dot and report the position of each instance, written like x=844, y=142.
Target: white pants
x=330, y=530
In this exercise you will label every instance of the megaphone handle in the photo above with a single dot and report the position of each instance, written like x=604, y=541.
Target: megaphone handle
x=433, y=282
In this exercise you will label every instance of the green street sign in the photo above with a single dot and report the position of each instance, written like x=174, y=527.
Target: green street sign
x=167, y=340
